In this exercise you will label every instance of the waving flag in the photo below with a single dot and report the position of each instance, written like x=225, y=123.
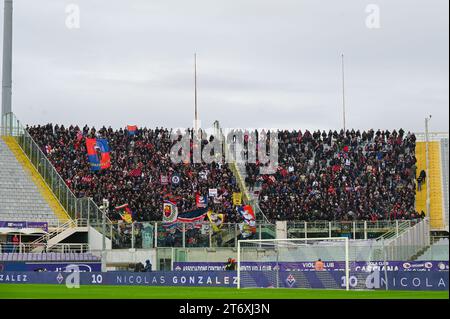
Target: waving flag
x=184, y=221
x=98, y=153
x=246, y=230
x=192, y=216
x=131, y=130
x=246, y=212
x=216, y=220
x=125, y=213
x=248, y=226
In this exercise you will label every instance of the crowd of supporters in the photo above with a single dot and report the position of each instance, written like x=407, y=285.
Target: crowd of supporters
x=320, y=176
x=340, y=176
x=137, y=163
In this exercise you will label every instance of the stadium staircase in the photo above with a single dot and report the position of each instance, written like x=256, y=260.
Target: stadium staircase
x=249, y=198
x=406, y=241
x=437, y=221
x=438, y=250
x=24, y=196
x=32, y=190
x=58, y=235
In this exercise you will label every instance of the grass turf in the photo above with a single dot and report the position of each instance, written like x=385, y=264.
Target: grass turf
x=27, y=291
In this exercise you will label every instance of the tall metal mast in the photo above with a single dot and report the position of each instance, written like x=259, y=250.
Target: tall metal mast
x=7, y=58
x=343, y=93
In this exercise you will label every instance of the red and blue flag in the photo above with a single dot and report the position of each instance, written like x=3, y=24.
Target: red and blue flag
x=98, y=153
x=201, y=201
x=131, y=130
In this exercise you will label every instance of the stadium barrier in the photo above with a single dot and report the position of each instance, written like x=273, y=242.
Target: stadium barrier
x=398, y=280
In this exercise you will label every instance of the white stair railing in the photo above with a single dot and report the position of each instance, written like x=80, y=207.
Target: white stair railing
x=408, y=242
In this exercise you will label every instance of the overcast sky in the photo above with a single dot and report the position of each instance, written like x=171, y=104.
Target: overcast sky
x=261, y=63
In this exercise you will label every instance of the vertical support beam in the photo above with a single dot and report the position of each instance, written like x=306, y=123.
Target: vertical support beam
x=132, y=235
x=184, y=235
x=347, y=265
x=156, y=235
x=88, y=209
x=365, y=229
x=239, y=265
x=235, y=236
x=104, y=237
x=306, y=230
x=210, y=237
x=329, y=229
x=7, y=58
x=354, y=230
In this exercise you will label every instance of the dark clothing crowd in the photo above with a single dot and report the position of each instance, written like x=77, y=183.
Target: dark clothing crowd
x=137, y=164
x=334, y=175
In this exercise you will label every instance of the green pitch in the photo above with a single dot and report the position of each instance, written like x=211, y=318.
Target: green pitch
x=8, y=291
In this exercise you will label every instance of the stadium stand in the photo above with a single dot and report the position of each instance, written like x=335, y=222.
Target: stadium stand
x=317, y=172
x=340, y=176
x=20, y=197
x=139, y=162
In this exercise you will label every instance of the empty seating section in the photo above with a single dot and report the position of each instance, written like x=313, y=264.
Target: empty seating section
x=20, y=199
x=435, y=175
x=435, y=180
x=445, y=176
x=48, y=257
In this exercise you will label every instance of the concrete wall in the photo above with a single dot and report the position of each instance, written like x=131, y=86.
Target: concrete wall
x=96, y=240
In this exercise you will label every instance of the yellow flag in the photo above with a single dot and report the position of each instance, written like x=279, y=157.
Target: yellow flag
x=216, y=220
x=237, y=199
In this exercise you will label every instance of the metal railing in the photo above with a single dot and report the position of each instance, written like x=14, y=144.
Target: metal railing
x=235, y=169
x=76, y=208
x=408, y=242
x=9, y=247
x=144, y=235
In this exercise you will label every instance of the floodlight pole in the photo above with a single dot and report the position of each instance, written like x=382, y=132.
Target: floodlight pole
x=7, y=58
x=343, y=93
x=427, y=154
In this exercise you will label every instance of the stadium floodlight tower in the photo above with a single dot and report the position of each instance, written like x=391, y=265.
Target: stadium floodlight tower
x=7, y=61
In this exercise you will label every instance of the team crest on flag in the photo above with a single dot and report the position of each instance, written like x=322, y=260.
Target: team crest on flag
x=125, y=213
x=175, y=179
x=98, y=153
x=170, y=211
